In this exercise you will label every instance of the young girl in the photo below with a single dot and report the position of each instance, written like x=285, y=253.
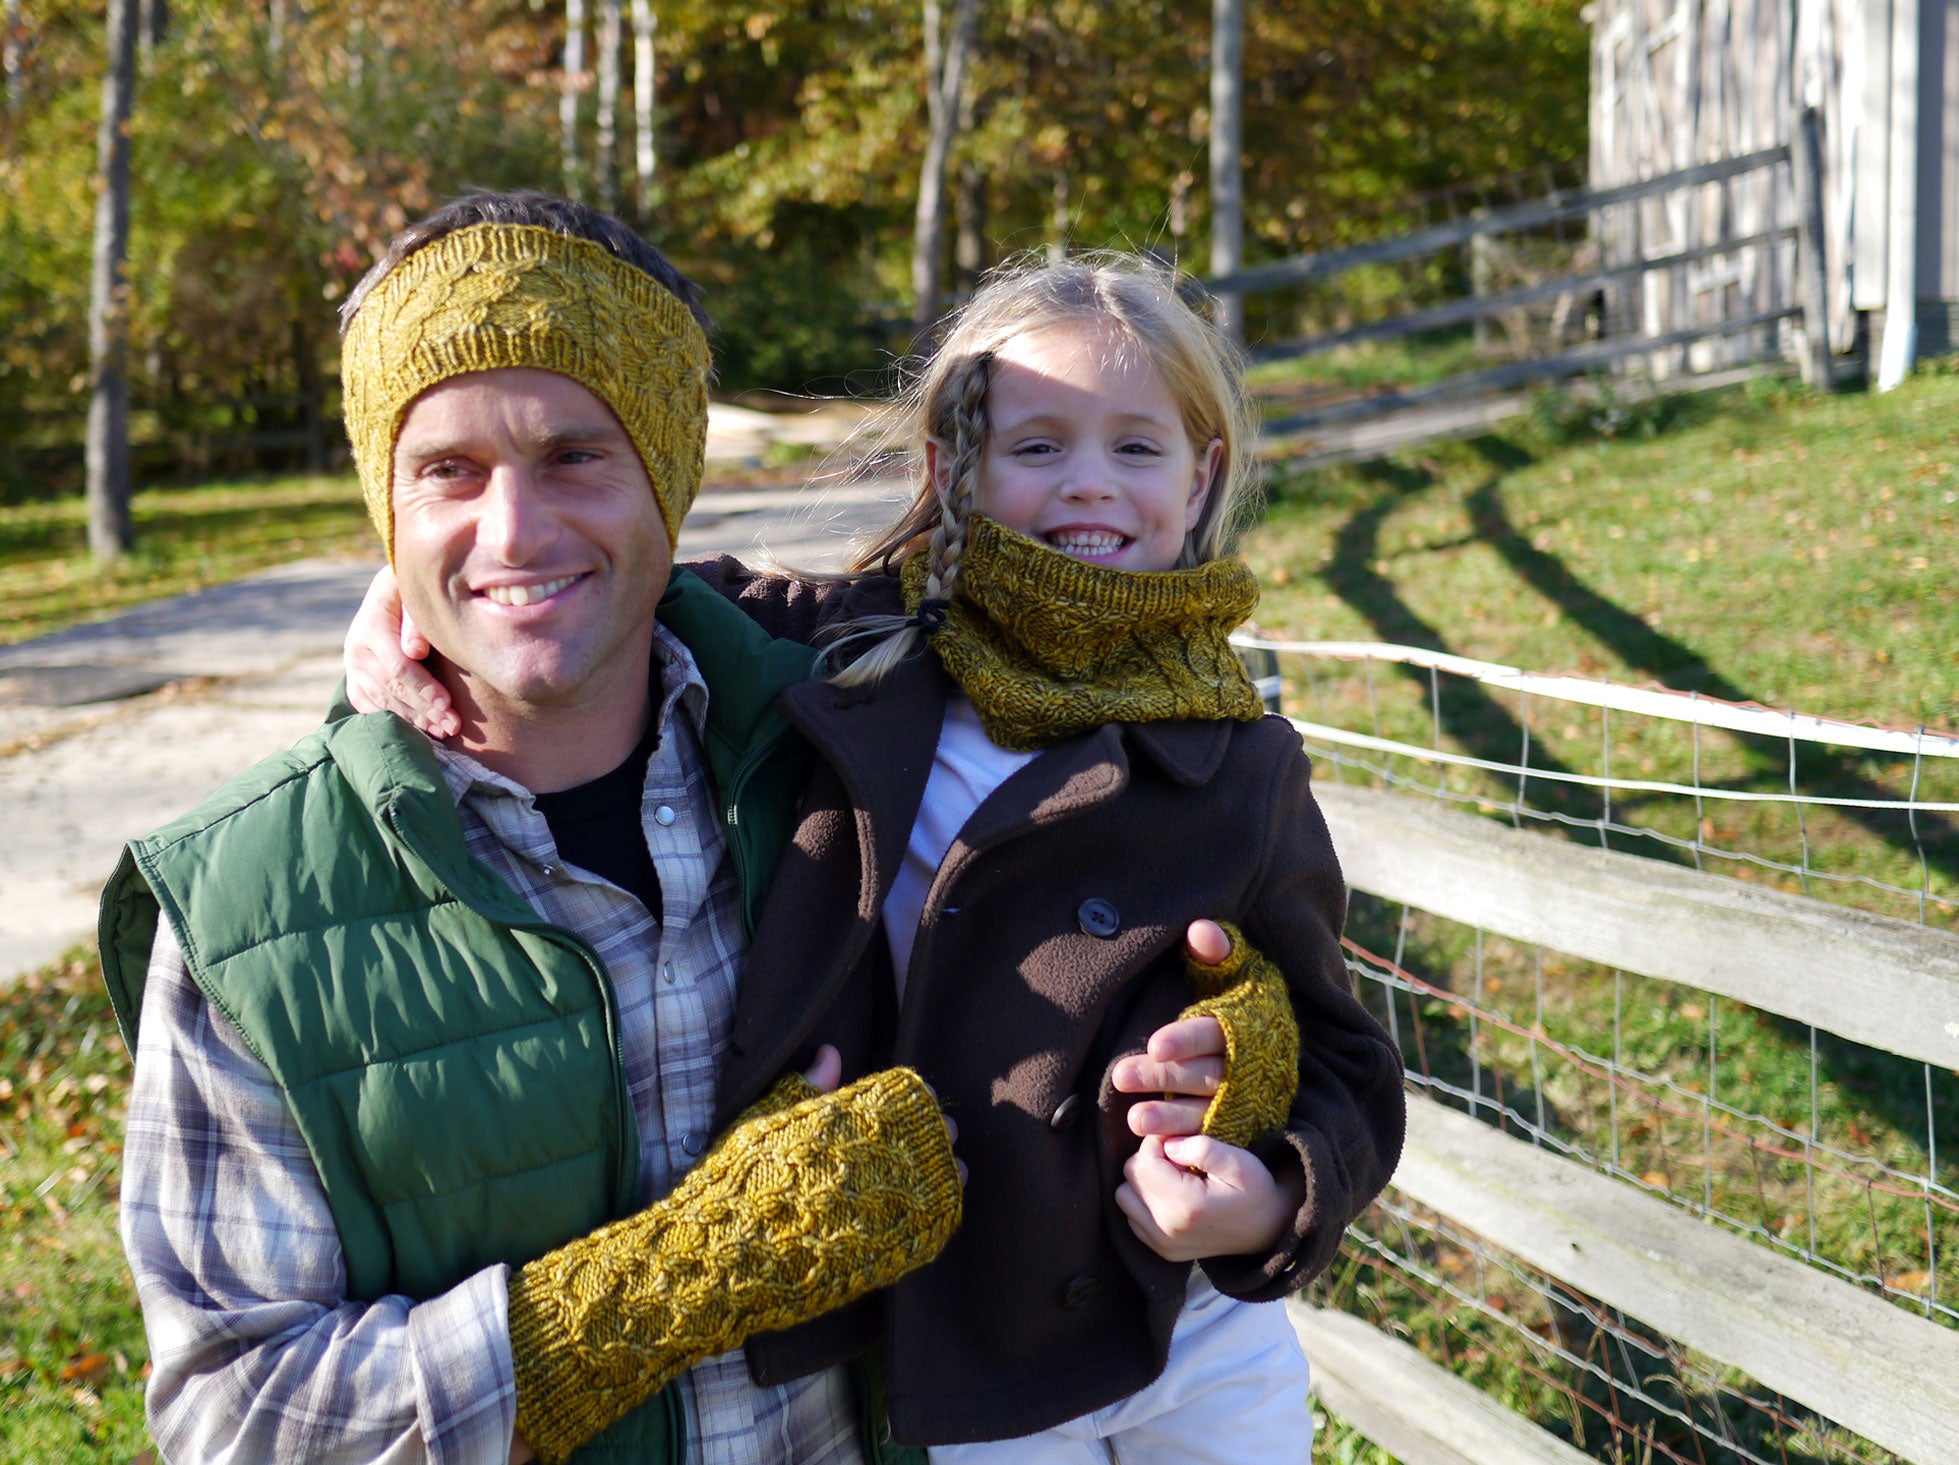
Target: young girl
x=1037, y=763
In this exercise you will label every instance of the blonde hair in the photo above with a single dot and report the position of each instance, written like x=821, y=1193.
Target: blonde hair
x=1135, y=300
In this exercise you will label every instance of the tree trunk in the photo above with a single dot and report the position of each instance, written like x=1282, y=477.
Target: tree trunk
x=969, y=240
x=969, y=209
x=945, y=81
x=275, y=29
x=645, y=31
x=10, y=54
x=611, y=37
x=107, y=453
x=154, y=26
x=573, y=84
x=1227, y=155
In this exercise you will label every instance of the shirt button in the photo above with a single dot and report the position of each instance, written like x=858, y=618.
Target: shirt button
x=691, y=1143
x=551, y=872
x=664, y=814
x=666, y=972
x=1098, y=918
x=1079, y=1293
x=1065, y=1112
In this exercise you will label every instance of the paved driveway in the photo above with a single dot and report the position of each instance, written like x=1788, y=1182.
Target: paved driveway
x=110, y=729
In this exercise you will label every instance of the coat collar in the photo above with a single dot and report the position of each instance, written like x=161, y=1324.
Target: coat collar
x=1189, y=751
x=880, y=740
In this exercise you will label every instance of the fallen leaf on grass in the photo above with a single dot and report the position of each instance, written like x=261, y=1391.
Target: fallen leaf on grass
x=14, y=1367
x=85, y=1368
x=1909, y=1281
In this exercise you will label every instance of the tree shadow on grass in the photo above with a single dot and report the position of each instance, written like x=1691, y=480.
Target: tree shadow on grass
x=1892, y=1089
x=1828, y=772
x=1472, y=716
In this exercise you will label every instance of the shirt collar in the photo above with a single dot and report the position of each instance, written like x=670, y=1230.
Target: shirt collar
x=681, y=686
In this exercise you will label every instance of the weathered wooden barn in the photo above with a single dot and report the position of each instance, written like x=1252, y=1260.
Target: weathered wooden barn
x=1682, y=82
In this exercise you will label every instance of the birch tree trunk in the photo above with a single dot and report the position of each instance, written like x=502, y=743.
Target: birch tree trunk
x=1227, y=155
x=10, y=54
x=107, y=451
x=568, y=99
x=969, y=209
x=275, y=29
x=154, y=26
x=645, y=31
x=945, y=81
x=611, y=38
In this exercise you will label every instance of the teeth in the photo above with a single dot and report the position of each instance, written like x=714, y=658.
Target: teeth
x=526, y=594
x=1090, y=544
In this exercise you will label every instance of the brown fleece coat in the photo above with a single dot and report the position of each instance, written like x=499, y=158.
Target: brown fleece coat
x=1021, y=997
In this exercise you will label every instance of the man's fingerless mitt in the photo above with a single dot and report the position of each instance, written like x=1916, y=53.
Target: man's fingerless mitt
x=805, y=1204
x=1247, y=995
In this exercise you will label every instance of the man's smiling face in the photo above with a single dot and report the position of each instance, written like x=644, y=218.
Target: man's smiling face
x=528, y=542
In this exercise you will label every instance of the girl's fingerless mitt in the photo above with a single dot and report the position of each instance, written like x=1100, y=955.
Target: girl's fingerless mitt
x=806, y=1203
x=1247, y=995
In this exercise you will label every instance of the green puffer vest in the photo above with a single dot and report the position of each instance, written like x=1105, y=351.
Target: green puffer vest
x=451, y=1060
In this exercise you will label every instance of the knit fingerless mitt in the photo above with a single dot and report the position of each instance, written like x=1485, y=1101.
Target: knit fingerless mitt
x=1247, y=995
x=806, y=1203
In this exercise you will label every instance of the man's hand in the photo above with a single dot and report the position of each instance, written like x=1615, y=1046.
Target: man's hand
x=1183, y=1061
x=808, y=1202
x=1194, y=1197
x=383, y=658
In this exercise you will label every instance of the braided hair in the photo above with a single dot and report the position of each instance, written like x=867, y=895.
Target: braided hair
x=964, y=429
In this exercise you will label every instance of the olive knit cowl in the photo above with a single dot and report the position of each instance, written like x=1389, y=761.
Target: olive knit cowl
x=1048, y=646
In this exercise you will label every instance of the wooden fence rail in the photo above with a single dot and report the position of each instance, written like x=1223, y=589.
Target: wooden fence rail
x=1577, y=362
x=1822, y=1342
x=1552, y=209
x=1476, y=307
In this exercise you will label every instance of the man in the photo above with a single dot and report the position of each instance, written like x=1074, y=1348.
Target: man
x=414, y=1021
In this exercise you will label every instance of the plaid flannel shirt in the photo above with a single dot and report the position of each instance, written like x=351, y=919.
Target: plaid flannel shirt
x=256, y=1352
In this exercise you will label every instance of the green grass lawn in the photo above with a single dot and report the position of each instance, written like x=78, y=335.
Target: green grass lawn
x=186, y=539
x=1771, y=546
x=1759, y=545
x=72, y=1357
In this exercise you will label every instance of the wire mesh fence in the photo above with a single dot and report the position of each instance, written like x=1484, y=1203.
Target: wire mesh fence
x=1589, y=1374
x=1866, y=816
x=1842, y=1156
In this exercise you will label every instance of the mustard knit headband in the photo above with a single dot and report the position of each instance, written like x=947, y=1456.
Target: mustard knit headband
x=504, y=295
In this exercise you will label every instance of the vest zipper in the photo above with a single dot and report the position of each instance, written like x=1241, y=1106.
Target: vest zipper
x=626, y=1178
x=751, y=759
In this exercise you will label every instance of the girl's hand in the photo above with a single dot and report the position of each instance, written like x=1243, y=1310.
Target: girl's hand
x=1184, y=1061
x=1193, y=1197
x=382, y=659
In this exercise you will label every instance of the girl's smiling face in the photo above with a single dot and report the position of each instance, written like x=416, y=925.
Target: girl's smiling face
x=1087, y=450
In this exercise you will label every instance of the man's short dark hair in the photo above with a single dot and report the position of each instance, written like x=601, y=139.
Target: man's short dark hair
x=538, y=210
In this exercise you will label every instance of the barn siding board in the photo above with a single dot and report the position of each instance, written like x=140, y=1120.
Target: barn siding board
x=1682, y=81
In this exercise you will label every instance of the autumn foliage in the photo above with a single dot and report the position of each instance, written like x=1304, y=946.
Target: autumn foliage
x=277, y=144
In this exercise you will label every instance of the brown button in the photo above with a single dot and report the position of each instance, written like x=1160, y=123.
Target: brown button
x=1065, y=1112
x=1079, y=1293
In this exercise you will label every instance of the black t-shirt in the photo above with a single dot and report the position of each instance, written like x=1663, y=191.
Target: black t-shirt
x=597, y=825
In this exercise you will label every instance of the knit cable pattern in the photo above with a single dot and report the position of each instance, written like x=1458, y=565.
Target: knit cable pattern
x=1247, y=995
x=1047, y=646
x=803, y=1205
x=508, y=295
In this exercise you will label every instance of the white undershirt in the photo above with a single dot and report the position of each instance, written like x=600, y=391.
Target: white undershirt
x=966, y=768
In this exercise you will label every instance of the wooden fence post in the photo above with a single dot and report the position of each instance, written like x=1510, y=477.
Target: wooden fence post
x=1806, y=158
